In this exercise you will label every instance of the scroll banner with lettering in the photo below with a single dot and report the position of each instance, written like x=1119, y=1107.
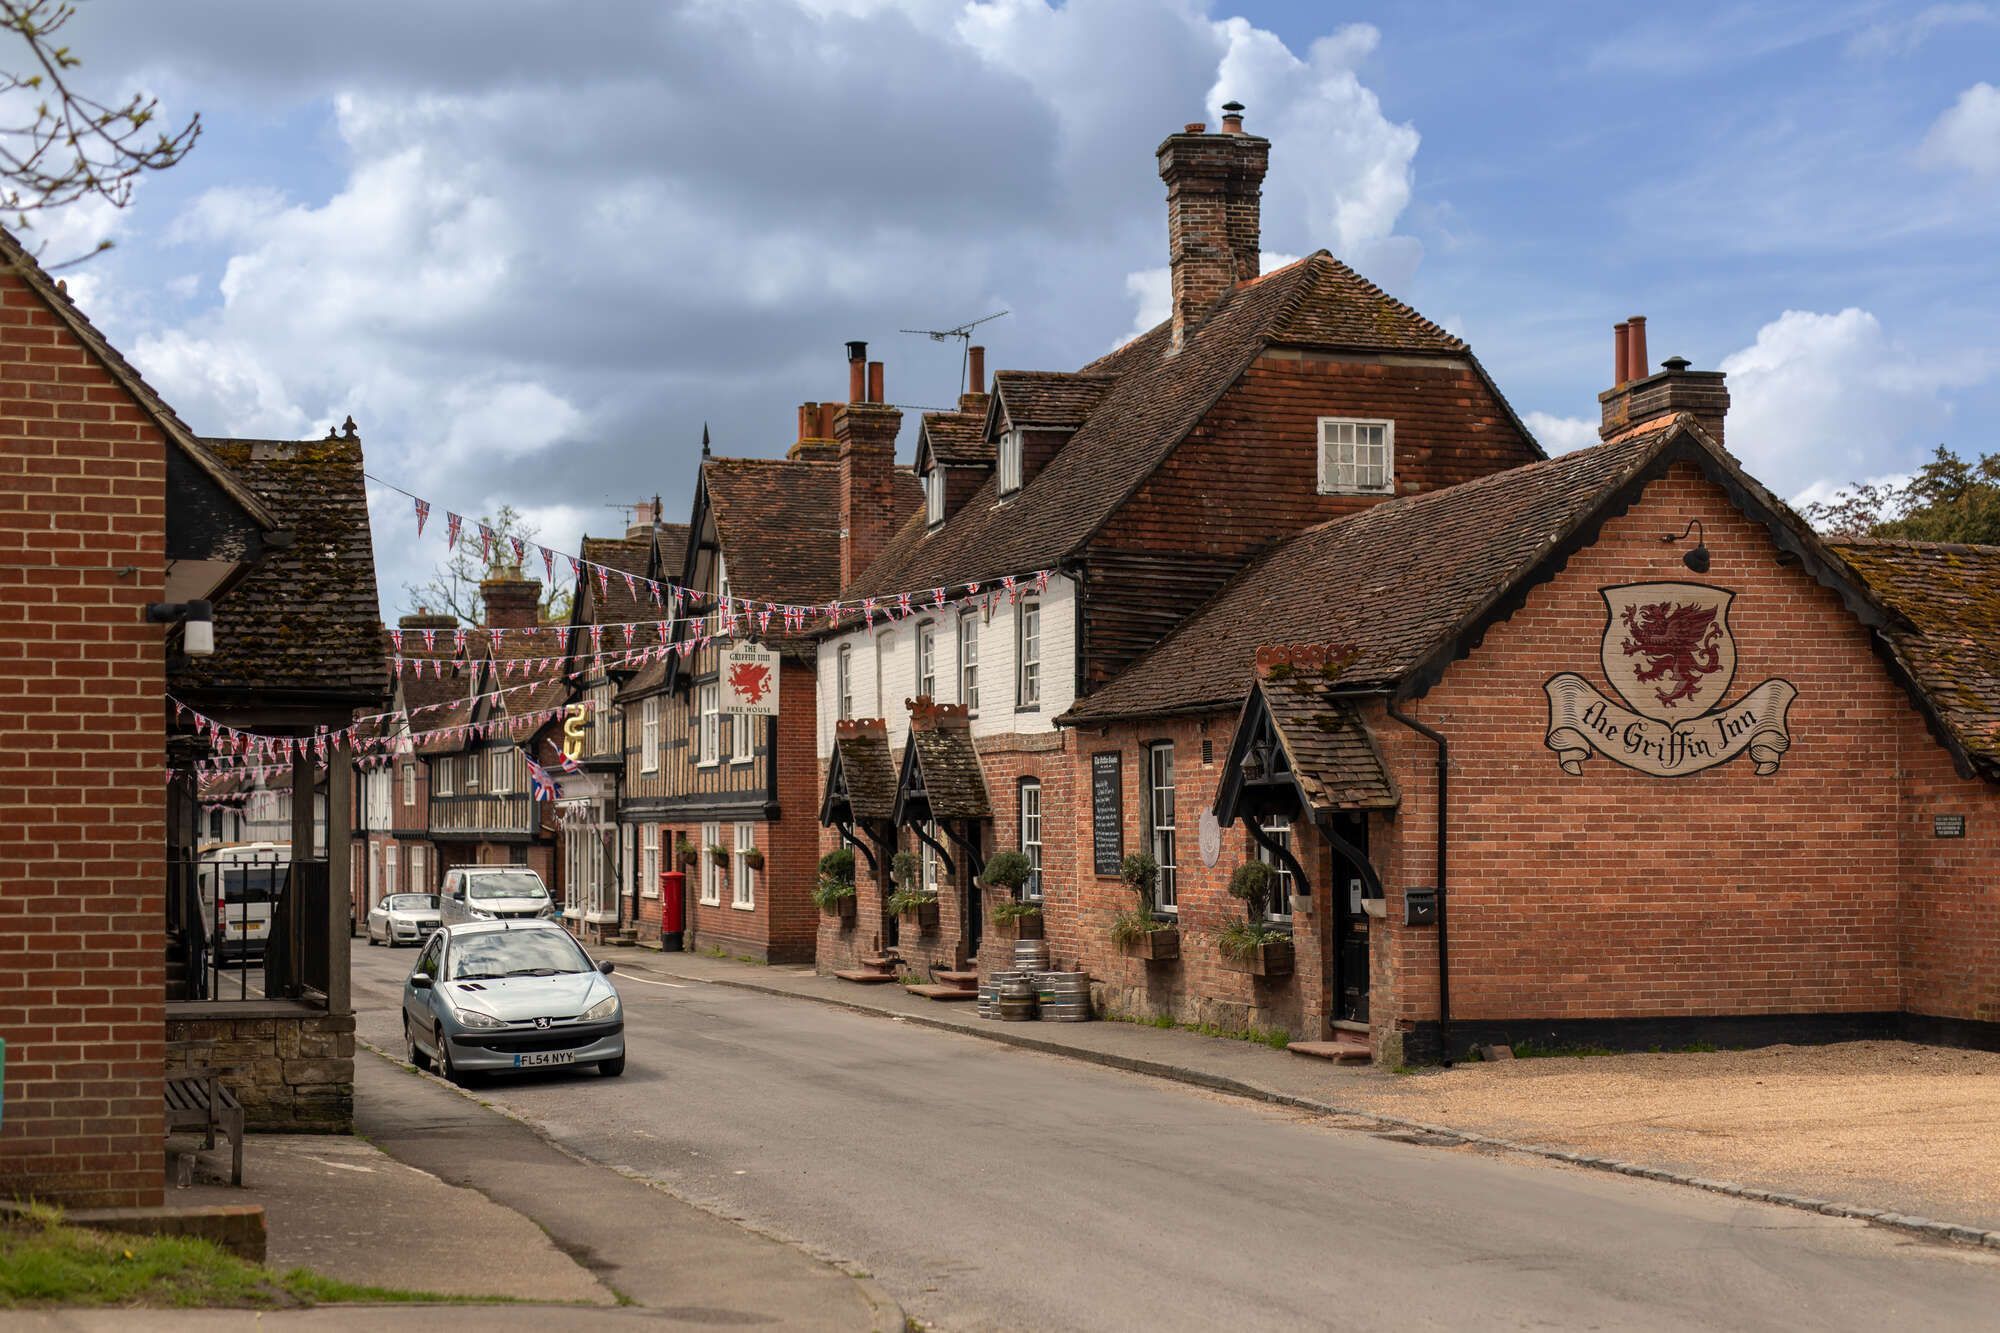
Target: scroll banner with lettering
x=750, y=680
x=1670, y=654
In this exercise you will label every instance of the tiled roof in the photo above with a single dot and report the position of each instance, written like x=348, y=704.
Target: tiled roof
x=954, y=781
x=957, y=438
x=1331, y=755
x=13, y=255
x=1047, y=397
x=611, y=602
x=1397, y=581
x=1949, y=595
x=305, y=617
x=1155, y=397
x=868, y=770
x=779, y=524
x=673, y=542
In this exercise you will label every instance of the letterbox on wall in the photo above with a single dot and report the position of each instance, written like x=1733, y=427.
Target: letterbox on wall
x=1420, y=907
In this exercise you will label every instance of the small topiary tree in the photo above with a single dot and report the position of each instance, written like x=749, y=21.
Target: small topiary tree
x=838, y=864
x=1141, y=874
x=908, y=897
x=836, y=880
x=1251, y=885
x=1007, y=870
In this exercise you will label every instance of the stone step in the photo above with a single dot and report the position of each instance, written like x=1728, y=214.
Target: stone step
x=969, y=980
x=866, y=978
x=881, y=962
x=1343, y=1050
x=946, y=993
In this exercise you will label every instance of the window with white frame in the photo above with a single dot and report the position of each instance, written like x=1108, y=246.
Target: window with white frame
x=743, y=878
x=711, y=723
x=441, y=777
x=843, y=682
x=884, y=647
x=408, y=772
x=934, y=495
x=500, y=772
x=1010, y=462
x=1028, y=653
x=389, y=869
x=649, y=860
x=743, y=737
x=1279, y=830
x=1356, y=457
x=649, y=735
x=1160, y=819
x=927, y=859
x=711, y=873
x=600, y=719
x=419, y=872
x=927, y=660
x=968, y=660
x=628, y=842
x=470, y=766
x=1031, y=837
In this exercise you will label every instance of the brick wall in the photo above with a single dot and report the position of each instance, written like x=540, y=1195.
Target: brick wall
x=1950, y=944
x=82, y=538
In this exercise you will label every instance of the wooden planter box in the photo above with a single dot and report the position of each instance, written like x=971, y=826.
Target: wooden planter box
x=1155, y=946
x=926, y=916
x=1017, y=927
x=1271, y=959
x=843, y=909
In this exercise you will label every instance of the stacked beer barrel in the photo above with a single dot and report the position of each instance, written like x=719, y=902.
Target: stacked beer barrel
x=1031, y=990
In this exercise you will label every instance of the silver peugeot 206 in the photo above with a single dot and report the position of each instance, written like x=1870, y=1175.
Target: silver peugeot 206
x=487, y=996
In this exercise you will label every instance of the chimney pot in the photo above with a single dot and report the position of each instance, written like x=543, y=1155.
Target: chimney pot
x=975, y=370
x=1196, y=127
x=1232, y=118
x=1676, y=364
x=857, y=371
x=1621, y=353
x=1639, y=399
x=875, y=382
x=1639, y=361
x=826, y=411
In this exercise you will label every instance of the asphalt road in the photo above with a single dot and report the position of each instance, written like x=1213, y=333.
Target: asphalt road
x=990, y=1188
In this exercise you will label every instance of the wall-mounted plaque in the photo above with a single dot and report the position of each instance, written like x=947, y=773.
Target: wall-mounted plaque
x=1947, y=826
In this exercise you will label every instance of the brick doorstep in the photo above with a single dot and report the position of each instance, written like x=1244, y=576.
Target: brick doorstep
x=1204, y=1062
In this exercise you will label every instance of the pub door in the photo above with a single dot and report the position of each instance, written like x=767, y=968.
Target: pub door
x=1350, y=926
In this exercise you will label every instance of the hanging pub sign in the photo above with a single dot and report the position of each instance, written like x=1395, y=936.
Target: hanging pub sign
x=1107, y=812
x=1669, y=654
x=750, y=680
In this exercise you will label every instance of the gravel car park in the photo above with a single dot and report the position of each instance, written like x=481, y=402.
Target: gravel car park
x=492, y=996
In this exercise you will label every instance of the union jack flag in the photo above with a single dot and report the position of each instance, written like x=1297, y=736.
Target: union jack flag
x=541, y=786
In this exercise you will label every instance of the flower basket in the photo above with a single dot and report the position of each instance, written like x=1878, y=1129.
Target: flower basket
x=924, y=913
x=841, y=909
x=753, y=857
x=1012, y=928
x=1271, y=958
x=1155, y=946
x=719, y=855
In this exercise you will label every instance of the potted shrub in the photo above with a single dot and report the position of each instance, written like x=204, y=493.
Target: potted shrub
x=1141, y=932
x=1004, y=877
x=834, y=891
x=1254, y=946
x=753, y=857
x=1016, y=921
x=908, y=900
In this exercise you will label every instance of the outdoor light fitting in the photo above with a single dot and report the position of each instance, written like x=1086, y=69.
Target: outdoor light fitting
x=196, y=619
x=1697, y=559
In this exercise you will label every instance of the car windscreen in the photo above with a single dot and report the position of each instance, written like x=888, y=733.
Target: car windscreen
x=515, y=953
x=510, y=884
x=410, y=902
x=252, y=884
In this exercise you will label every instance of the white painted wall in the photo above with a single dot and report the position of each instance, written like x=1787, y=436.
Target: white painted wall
x=896, y=678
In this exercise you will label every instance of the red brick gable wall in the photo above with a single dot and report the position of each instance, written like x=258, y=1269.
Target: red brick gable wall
x=1248, y=474
x=1951, y=886
x=83, y=1006
x=1618, y=894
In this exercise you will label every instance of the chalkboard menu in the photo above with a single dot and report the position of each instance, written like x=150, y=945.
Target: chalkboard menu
x=1107, y=811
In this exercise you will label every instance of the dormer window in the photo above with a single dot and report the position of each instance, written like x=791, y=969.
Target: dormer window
x=1010, y=462
x=934, y=495
x=1356, y=457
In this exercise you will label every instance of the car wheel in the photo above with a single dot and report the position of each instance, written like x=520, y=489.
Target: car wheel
x=452, y=1073
x=417, y=1057
x=611, y=1068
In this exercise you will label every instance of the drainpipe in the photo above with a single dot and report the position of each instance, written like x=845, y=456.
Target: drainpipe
x=1443, y=841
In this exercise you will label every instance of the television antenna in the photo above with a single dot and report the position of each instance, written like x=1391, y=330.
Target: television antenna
x=964, y=335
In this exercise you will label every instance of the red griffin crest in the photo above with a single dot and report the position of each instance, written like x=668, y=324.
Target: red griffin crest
x=750, y=680
x=1680, y=645
x=1668, y=650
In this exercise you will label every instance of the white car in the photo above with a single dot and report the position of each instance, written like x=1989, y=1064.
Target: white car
x=487, y=996
x=493, y=893
x=403, y=918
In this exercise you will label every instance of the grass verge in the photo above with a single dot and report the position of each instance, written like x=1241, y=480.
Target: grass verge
x=43, y=1261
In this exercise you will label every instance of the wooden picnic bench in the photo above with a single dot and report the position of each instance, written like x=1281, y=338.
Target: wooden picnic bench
x=196, y=1099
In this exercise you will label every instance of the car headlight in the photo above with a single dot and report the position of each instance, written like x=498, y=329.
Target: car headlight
x=472, y=1018
x=604, y=1008
x=548, y=911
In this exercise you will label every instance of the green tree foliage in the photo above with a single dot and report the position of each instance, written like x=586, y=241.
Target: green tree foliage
x=1948, y=500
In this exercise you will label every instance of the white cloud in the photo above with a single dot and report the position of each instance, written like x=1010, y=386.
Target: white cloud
x=1559, y=435
x=1826, y=398
x=1967, y=136
x=1902, y=37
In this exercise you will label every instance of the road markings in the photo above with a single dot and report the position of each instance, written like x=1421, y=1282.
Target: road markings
x=648, y=981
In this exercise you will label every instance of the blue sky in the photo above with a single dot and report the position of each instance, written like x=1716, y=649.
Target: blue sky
x=532, y=248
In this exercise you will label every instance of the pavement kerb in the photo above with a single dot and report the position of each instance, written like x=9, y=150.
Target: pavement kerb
x=885, y=1310
x=1925, y=1227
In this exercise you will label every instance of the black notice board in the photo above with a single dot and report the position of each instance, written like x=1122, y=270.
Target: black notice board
x=1107, y=811
x=1947, y=826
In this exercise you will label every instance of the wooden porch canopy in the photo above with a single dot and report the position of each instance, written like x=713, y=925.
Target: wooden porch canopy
x=941, y=780
x=1302, y=750
x=860, y=785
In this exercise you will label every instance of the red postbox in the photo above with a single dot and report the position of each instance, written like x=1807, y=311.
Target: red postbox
x=673, y=908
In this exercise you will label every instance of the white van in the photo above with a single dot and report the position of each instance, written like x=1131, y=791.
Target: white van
x=492, y=893
x=240, y=883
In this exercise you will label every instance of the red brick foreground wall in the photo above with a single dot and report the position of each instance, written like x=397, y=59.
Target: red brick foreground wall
x=83, y=809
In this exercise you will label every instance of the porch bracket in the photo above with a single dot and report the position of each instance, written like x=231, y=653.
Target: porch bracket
x=1371, y=883
x=950, y=868
x=1283, y=853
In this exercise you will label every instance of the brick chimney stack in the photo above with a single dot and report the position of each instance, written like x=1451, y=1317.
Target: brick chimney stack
x=864, y=433
x=1215, y=185
x=1636, y=397
x=815, y=442
x=645, y=515
x=512, y=602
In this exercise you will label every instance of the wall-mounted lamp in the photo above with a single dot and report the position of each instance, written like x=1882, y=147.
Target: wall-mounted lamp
x=196, y=619
x=1697, y=559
